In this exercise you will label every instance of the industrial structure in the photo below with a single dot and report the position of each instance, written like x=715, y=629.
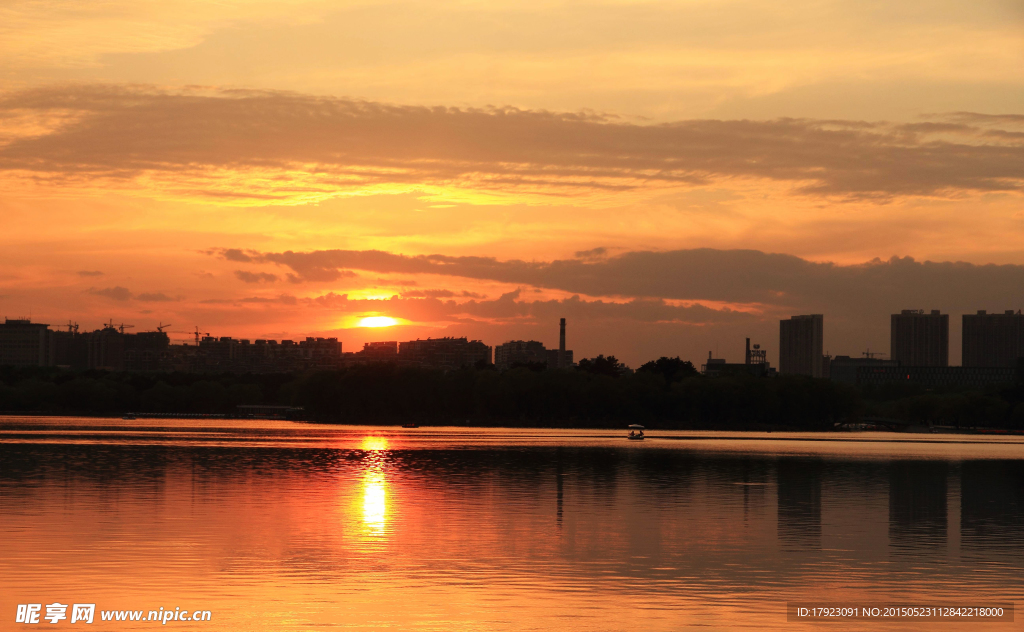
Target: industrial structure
x=561, y=363
x=755, y=363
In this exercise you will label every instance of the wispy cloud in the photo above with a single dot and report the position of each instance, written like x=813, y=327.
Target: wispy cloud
x=285, y=147
x=118, y=293
x=154, y=297
x=441, y=294
x=255, y=277
x=513, y=308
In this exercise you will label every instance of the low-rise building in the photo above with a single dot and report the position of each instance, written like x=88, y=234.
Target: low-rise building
x=444, y=353
x=521, y=352
x=845, y=368
x=937, y=376
x=386, y=351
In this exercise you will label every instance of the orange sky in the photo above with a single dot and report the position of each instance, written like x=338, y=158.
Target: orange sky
x=158, y=162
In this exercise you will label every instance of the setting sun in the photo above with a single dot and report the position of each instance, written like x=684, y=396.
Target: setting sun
x=377, y=321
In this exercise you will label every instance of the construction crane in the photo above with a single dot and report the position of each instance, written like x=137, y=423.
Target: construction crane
x=870, y=355
x=197, y=332
x=72, y=327
x=110, y=325
x=161, y=327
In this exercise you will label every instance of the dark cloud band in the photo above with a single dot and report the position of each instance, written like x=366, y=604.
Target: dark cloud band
x=119, y=133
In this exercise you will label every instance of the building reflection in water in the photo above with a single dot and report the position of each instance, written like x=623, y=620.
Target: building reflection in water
x=799, y=492
x=917, y=504
x=375, y=486
x=992, y=507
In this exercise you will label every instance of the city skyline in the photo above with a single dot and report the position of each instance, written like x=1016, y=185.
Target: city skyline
x=673, y=326
x=673, y=176
x=988, y=340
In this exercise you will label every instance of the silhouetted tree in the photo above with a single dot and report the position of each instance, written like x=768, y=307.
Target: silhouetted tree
x=672, y=369
x=537, y=367
x=663, y=393
x=600, y=366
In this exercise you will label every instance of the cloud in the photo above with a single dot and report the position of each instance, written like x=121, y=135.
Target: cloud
x=89, y=273
x=510, y=308
x=232, y=254
x=441, y=294
x=155, y=297
x=593, y=253
x=116, y=293
x=262, y=146
x=255, y=277
x=399, y=282
x=119, y=293
x=281, y=299
x=778, y=282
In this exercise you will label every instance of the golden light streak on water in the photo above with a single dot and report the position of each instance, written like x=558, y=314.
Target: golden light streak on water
x=375, y=507
x=375, y=486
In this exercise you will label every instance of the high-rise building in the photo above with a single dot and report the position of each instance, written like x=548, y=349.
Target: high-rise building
x=993, y=339
x=24, y=343
x=920, y=339
x=146, y=351
x=800, y=344
x=106, y=349
x=70, y=349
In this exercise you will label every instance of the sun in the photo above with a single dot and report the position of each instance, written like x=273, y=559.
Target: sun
x=378, y=321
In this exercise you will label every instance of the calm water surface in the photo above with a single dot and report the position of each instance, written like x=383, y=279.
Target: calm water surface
x=287, y=526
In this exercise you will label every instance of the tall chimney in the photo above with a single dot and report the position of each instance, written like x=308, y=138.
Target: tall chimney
x=561, y=344
x=748, y=350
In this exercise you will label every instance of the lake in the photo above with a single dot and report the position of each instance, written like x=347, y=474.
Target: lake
x=288, y=526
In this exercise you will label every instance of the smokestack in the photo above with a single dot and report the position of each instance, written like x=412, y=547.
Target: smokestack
x=748, y=350
x=561, y=344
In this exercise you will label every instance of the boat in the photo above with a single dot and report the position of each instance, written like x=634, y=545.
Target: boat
x=410, y=425
x=128, y=416
x=636, y=432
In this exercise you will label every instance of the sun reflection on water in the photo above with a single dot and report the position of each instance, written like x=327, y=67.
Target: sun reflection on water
x=375, y=486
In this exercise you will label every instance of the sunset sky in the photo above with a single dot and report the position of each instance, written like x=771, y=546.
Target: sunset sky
x=671, y=177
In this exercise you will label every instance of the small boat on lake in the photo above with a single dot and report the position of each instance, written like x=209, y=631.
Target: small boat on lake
x=128, y=416
x=636, y=432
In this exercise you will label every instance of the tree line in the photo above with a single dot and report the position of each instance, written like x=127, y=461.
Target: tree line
x=600, y=392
